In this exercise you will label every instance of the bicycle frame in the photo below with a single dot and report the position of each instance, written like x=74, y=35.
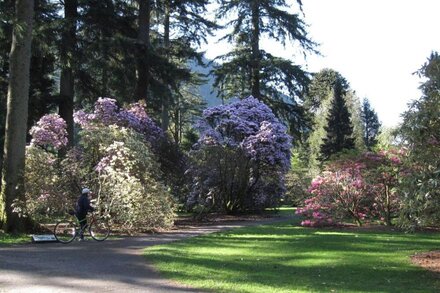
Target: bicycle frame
x=99, y=230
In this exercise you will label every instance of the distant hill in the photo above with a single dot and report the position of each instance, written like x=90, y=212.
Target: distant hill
x=206, y=90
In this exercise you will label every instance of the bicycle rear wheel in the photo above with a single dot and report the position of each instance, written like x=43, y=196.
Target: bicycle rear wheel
x=65, y=231
x=99, y=229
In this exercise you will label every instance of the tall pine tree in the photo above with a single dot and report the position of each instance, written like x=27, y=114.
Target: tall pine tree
x=319, y=102
x=250, y=70
x=12, y=189
x=339, y=129
x=67, y=58
x=185, y=27
x=371, y=124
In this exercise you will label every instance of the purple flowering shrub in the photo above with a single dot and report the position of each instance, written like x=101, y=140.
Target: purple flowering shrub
x=107, y=112
x=44, y=192
x=240, y=159
x=50, y=131
x=362, y=188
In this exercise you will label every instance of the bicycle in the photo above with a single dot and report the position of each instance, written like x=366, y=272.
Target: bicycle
x=66, y=230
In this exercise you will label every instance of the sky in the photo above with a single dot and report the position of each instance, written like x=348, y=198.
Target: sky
x=376, y=45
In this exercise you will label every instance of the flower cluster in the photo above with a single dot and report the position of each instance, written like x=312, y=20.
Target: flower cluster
x=107, y=112
x=244, y=146
x=270, y=144
x=360, y=188
x=50, y=131
x=136, y=118
x=249, y=125
x=338, y=193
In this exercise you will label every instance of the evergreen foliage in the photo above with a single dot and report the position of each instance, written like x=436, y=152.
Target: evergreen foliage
x=420, y=134
x=320, y=100
x=339, y=130
x=371, y=124
x=248, y=69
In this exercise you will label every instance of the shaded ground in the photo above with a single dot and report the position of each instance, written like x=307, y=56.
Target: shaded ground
x=115, y=265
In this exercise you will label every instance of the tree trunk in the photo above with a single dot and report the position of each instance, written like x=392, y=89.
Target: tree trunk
x=16, y=120
x=143, y=64
x=387, y=206
x=67, y=59
x=177, y=135
x=255, y=43
x=166, y=98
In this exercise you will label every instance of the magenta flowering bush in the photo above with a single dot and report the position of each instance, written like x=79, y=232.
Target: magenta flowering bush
x=240, y=159
x=50, y=131
x=385, y=170
x=337, y=194
x=361, y=188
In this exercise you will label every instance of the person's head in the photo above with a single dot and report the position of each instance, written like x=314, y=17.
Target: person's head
x=85, y=191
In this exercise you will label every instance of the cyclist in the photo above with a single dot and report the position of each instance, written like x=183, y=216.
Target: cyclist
x=82, y=208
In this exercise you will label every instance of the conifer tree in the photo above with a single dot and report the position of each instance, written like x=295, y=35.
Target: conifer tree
x=12, y=189
x=371, y=124
x=67, y=58
x=185, y=27
x=319, y=102
x=339, y=129
x=248, y=69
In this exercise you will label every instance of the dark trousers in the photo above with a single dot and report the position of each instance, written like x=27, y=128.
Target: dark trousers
x=83, y=222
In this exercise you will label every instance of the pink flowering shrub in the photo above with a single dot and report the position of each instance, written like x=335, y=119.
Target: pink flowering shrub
x=338, y=193
x=50, y=131
x=362, y=188
x=383, y=172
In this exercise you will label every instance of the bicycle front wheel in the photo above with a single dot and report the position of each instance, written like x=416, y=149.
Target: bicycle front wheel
x=99, y=229
x=65, y=231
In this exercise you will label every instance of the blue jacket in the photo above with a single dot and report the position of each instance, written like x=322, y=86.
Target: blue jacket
x=83, y=205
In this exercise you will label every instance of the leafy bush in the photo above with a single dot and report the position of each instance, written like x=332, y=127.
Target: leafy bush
x=240, y=159
x=297, y=185
x=172, y=162
x=360, y=188
x=114, y=158
x=44, y=193
x=127, y=178
x=420, y=134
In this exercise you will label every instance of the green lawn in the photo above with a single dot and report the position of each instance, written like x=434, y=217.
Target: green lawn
x=12, y=239
x=288, y=258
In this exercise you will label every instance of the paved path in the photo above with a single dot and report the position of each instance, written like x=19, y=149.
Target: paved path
x=90, y=266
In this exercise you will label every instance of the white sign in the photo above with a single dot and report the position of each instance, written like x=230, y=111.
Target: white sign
x=43, y=238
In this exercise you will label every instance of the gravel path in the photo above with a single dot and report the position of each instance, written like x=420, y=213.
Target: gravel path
x=90, y=266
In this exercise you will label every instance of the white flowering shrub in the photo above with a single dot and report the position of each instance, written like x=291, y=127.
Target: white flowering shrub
x=114, y=158
x=126, y=178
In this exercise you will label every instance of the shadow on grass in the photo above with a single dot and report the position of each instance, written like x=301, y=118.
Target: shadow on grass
x=285, y=258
